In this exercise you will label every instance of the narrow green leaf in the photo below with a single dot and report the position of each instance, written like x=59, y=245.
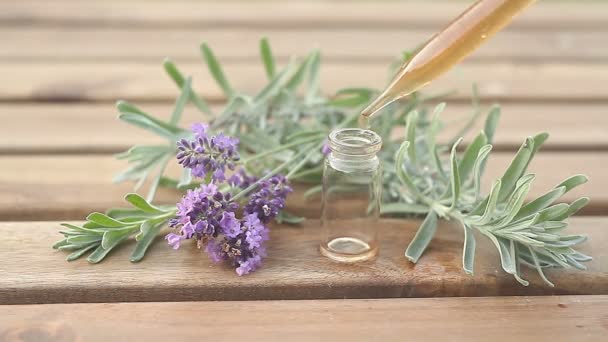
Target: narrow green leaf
x=286, y=217
x=83, y=239
x=111, y=237
x=490, y=204
x=573, y=208
x=275, y=85
x=313, y=77
x=551, y=213
x=423, y=237
x=60, y=243
x=468, y=253
x=403, y=208
x=185, y=179
x=125, y=108
x=77, y=254
x=313, y=191
x=572, y=182
x=516, y=261
x=411, y=122
x=516, y=169
x=105, y=221
x=351, y=97
x=148, y=232
x=403, y=177
x=299, y=75
x=455, y=176
x=477, y=168
x=470, y=156
x=147, y=124
x=99, y=253
x=491, y=123
x=216, y=70
x=516, y=200
x=539, y=268
x=540, y=203
x=140, y=203
x=181, y=101
x=179, y=80
x=267, y=58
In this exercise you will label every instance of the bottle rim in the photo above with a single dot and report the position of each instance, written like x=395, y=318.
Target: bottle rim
x=355, y=141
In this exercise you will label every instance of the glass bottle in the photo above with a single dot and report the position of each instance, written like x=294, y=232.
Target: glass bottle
x=352, y=187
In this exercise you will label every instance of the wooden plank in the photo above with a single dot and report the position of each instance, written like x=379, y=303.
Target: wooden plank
x=69, y=187
x=97, y=81
x=368, y=14
x=294, y=269
x=564, y=318
x=119, y=44
x=94, y=128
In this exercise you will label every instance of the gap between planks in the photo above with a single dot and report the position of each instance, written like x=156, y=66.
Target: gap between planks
x=564, y=318
x=146, y=81
x=385, y=45
x=70, y=187
x=294, y=269
x=275, y=14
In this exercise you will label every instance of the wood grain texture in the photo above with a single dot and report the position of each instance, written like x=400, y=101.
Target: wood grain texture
x=367, y=14
x=69, y=187
x=94, y=127
x=132, y=80
x=58, y=43
x=34, y=273
x=563, y=318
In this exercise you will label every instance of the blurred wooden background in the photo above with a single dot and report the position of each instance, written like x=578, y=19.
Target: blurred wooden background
x=64, y=63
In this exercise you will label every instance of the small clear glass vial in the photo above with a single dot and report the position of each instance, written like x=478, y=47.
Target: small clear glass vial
x=352, y=184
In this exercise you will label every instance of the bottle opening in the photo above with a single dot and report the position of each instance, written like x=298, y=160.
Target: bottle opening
x=354, y=141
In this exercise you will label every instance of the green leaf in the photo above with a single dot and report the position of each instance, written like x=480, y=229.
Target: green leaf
x=482, y=156
x=573, y=208
x=403, y=177
x=105, y=221
x=273, y=88
x=185, y=180
x=403, y=208
x=455, y=176
x=468, y=253
x=516, y=169
x=216, y=70
x=99, y=253
x=572, y=182
x=551, y=213
x=286, y=217
x=147, y=124
x=491, y=123
x=180, y=103
x=299, y=75
x=125, y=108
x=423, y=237
x=179, y=80
x=267, y=58
x=540, y=203
x=112, y=237
x=83, y=239
x=313, y=191
x=140, y=203
x=470, y=156
x=516, y=200
x=313, y=77
x=411, y=122
x=148, y=232
x=538, y=268
x=490, y=204
x=351, y=97
x=77, y=254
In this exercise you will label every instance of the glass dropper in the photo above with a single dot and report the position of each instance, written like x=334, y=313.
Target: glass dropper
x=446, y=48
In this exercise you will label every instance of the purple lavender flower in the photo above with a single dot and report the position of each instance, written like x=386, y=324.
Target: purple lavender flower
x=174, y=240
x=241, y=179
x=231, y=227
x=206, y=155
x=325, y=149
x=249, y=265
x=269, y=199
x=255, y=232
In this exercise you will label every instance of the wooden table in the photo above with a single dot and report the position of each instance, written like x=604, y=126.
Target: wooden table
x=64, y=63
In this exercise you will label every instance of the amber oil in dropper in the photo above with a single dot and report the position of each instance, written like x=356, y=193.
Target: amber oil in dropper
x=459, y=39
